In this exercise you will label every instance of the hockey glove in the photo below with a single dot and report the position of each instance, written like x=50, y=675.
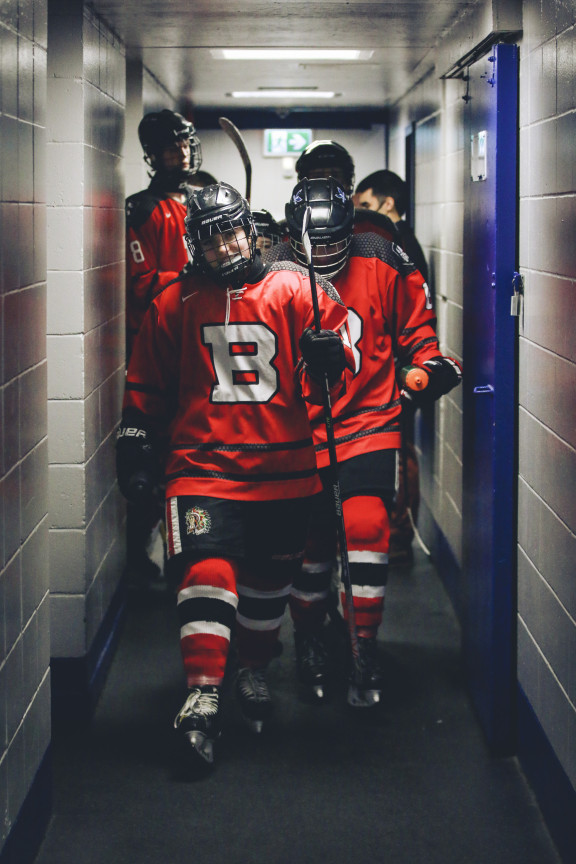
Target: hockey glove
x=444, y=373
x=323, y=354
x=137, y=465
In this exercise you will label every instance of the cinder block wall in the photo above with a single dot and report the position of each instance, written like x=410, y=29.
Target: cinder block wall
x=547, y=414
x=24, y=607
x=86, y=101
x=547, y=369
x=434, y=111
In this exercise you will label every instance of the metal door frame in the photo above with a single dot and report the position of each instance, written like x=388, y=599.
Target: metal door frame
x=489, y=632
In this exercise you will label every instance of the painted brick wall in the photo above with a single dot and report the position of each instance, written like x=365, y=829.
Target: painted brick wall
x=86, y=98
x=434, y=110
x=24, y=609
x=547, y=422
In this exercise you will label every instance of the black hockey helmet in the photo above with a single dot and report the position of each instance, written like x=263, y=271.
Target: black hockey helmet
x=330, y=228
x=268, y=230
x=160, y=129
x=220, y=232
x=327, y=159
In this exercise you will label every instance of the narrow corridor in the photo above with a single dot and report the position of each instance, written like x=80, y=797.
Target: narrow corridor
x=412, y=783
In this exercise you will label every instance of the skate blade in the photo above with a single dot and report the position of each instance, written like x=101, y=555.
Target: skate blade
x=363, y=698
x=201, y=746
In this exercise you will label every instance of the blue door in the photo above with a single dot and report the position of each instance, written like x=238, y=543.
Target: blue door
x=489, y=394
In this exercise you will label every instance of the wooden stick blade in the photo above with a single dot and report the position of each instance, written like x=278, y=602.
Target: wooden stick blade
x=235, y=136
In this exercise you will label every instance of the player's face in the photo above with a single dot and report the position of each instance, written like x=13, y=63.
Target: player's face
x=177, y=155
x=263, y=242
x=325, y=173
x=367, y=200
x=326, y=257
x=226, y=248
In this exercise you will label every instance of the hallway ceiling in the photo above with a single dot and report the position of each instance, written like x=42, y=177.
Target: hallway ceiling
x=174, y=39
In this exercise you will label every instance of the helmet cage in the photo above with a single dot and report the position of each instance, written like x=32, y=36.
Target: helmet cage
x=329, y=259
x=195, y=152
x=330, y=228
x=267, y=228
x=221, y=239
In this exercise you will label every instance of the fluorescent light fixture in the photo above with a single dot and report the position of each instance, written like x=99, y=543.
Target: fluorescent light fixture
x=290, y=54
x=282, y=94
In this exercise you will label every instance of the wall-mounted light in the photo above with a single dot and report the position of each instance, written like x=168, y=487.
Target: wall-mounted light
x=290, y=54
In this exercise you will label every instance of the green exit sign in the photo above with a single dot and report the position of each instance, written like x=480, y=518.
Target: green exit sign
x=286, y=142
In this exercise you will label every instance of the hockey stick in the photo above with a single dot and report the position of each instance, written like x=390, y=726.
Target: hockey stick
x=335, y=483
x=235, y=136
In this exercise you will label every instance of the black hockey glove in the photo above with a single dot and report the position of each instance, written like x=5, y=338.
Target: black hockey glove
x=323, y=354
x=444, y=373
x=137, y=465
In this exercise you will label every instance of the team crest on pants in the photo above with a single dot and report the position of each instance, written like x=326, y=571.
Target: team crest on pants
x=197, y=521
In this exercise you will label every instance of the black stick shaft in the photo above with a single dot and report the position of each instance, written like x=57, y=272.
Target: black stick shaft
x=334, y=481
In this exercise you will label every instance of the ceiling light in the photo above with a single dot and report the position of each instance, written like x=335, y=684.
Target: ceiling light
x=283, y=94
x=290, y=54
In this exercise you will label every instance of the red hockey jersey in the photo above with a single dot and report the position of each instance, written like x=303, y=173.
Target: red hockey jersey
x=220, y=373
x=384, y=295
x=155, y=251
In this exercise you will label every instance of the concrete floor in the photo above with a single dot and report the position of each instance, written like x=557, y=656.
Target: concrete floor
x=409, y=783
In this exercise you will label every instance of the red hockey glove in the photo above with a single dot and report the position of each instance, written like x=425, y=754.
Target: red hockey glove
x=323, y=354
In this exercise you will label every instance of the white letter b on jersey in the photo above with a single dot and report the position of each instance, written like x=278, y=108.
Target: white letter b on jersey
x=243, y=356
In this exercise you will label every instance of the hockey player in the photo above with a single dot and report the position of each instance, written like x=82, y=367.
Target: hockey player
x=389, y=315
x=155, y=247
x=323, y=159
x=268, y=231
x=385, y=193
x=220, y=371
x=155, y=254
x=380, y=201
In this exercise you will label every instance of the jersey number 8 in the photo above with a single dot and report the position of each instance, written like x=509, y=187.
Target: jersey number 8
x=136, y=251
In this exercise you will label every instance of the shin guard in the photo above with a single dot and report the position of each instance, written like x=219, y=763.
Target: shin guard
x=207, y=601
x=368, y=535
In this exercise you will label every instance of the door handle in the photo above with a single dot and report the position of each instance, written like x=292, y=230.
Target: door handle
x=484, y=389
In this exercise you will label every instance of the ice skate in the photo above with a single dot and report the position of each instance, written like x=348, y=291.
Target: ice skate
x=365, y=689
x=312, y=664
x=198, y=721
x=254, y=697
